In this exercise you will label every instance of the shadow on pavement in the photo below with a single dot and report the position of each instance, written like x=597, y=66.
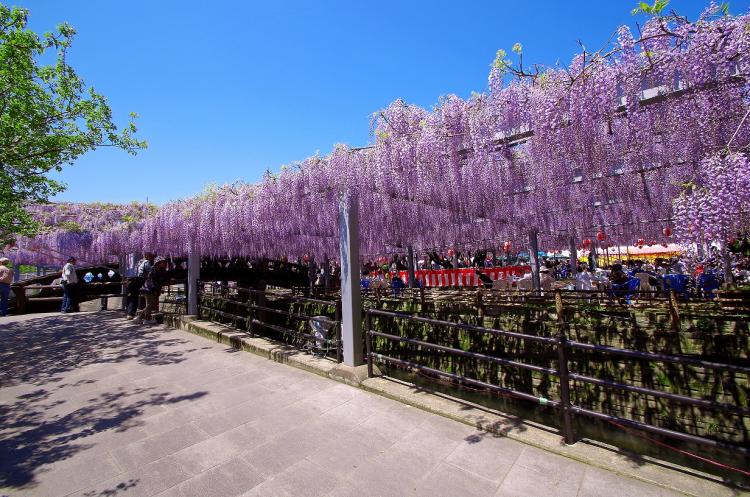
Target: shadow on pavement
x=36, y=430
x=35, y=350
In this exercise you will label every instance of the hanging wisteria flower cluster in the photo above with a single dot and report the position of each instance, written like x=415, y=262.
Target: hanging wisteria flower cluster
x=604, y=145
x=71, y=228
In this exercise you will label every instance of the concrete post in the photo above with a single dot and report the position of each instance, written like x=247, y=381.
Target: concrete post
x=534, y=259
x=351, y=306
x=194, y=274
x=410, y=265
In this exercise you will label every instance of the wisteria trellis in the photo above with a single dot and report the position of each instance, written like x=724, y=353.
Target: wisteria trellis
x=71, y=228
x=615, y=144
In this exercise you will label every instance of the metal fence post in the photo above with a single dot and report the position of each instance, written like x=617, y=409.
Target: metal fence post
x=337, y=318
x=562, y=359
x=368, y=342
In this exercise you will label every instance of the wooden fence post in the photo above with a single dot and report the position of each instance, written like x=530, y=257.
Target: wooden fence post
x=674, y=310
x=562, y=359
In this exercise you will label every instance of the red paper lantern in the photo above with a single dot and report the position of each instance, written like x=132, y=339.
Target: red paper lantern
x=667, y=231
x=306, y=258
x=641, y=242
x=506, y=247
x=601, y=236
x=652, y=243
x=451, y=252
x=587, y=243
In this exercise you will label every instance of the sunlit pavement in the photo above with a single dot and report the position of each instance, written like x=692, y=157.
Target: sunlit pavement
x=92, y=405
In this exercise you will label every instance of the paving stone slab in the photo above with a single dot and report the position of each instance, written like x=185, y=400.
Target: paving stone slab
x=163, y=412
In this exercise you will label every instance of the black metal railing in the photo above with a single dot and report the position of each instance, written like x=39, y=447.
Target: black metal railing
x=173, y=298
x=255, y=315
x=560, y=347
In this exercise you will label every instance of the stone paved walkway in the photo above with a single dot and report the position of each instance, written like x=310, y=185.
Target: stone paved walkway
x=91, y=405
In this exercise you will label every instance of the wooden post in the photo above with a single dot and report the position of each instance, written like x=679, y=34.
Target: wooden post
x=312, y=274
x=21, y=301
x=573, y=257
x=559, y=306
x=562, y=359
x=410, y=264
x=326, y=274
x=674, y=310
x=534, y=259
x=351, y=300
x=727, y=259
x=592, y=256
x=121, y=263
x=480, y=304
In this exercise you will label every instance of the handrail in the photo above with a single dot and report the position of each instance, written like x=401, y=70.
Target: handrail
x=251, y=319
x=461, y=326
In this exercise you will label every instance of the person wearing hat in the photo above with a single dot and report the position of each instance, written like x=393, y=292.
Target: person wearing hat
x=151, y=289
x=6, y=278
x=545, y=280
x=69, y=284
x=143, y=268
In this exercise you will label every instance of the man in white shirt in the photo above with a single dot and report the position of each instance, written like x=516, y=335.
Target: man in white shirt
x=69, y=284
x=6, y=278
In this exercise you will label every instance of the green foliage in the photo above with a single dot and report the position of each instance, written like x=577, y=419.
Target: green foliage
x=655, y=9
x=501, y=62
x=48, y=118
x=71, y=227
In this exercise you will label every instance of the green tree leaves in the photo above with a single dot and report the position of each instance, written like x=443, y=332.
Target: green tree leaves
x=655, y=9
x=48, y=118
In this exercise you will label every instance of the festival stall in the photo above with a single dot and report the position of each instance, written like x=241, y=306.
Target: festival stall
x=462, y=277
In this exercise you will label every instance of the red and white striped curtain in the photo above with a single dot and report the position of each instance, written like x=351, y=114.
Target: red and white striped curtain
x=462, y=277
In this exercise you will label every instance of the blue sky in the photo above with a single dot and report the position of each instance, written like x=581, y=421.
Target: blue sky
x=226, y=90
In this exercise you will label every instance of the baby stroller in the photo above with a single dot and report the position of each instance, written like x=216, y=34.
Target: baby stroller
x=319, y=342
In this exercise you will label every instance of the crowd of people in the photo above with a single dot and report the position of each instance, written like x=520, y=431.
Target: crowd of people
x=685, y=275
x=146, y=280
x=150, y=275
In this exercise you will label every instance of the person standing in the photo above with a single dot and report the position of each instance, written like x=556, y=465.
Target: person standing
x=6, y=278
x=584, y=278
x=70, y=285
x=156, y=278
x=142, y=269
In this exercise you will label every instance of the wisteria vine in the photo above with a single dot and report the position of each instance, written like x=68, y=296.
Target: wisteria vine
x=654, y=136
